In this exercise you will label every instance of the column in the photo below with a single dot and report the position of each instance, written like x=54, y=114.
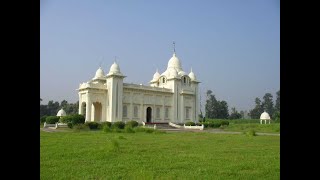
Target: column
x=88, y=109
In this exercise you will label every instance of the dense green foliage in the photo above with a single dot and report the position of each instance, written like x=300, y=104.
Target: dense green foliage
x=52, y=119
x=190, y=123
x=95, y=155
x=215, y=108
x=93, y=125
x=235, y=114
x=108, y=124
x=118, y=124
x=266, y=105
x=52, y=108
x=43, y=119
x=132, y=124
x=74, y=119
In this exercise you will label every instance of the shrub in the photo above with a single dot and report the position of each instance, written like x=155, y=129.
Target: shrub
x=70, y=125
x=74, y=119
x=92, y=125
x=132, y=124
x=128, y=129
x=216, y=124
x=190, y=123
x=52, y=119
x=106, y=129
x=149, y=130
x=118, y=124
x=106, y=123
x=251, y=132
x=78, y=127
x=139, y=129
x=224, y=123
x=205, y=124
x=43, y=119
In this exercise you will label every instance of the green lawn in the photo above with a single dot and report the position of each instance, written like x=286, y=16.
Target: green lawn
x=267, y=128
x=99, y=155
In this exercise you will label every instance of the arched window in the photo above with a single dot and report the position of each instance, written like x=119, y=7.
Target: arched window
x=135, y=111
x=184, y=80
x=124, y=111
x=163, y=80
x=158, y=112
x=167, y=113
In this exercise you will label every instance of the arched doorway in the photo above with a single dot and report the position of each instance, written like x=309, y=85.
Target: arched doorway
x=97, y=111
x=149, y=114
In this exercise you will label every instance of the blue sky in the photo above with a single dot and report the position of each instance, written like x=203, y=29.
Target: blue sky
x=232, y=46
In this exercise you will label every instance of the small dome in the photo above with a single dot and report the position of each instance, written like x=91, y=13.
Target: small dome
x=182, y=73
x=114, y=69
x=156, y=75
x=174, y=62
x=99, y=73
x=61, y=112
x=192, y=76
x=264, y=115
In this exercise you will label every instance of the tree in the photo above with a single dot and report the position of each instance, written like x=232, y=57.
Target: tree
x=277, y=106
x=267, y=104
x=257, y=110
x=63, y=104
x=242, y=114
x=235, y=114
x=210, y=103
x=223, y=111
x=216, y=109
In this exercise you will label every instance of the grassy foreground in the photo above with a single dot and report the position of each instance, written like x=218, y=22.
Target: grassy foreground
x=99, y=155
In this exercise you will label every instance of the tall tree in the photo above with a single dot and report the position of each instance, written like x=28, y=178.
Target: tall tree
x=210, y=103
x=235, y=114
x=267, y=103
x=223, y=111
x=63, y=104
x=277, y=106
x=257, y=110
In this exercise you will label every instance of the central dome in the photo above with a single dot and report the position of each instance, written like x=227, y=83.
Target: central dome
x=174, y=62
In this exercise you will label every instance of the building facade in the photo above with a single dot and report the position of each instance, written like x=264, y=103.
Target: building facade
x=172, y=96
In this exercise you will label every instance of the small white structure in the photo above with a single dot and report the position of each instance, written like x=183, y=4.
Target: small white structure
x=264, y=117
x=61, y=113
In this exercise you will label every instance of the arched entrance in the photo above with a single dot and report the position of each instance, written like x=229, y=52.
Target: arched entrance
x=149, y=114
x=97, y=111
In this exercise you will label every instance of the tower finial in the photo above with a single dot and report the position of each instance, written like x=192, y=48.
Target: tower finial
x=115, y=59
x=174, y=47
x=191, y=69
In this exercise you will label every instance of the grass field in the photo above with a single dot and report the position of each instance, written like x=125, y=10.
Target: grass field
x=189, y=155
x=266, y=128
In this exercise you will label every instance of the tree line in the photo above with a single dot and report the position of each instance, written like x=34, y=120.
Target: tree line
x=52, y=108
x=216, y=109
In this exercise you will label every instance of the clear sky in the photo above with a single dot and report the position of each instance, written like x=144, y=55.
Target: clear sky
x=232, y=46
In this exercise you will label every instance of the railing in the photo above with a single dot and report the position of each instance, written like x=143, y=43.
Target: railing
x=174, y=125
x=186, y=127
x=56, y=125
x=194, y=127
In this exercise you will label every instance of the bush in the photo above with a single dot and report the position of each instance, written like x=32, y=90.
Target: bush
x=106, y=129
x=128, y=129
x=78, y=127
x=139, y=129
x=205, y=124
x=106, y=123
x=216, y=124
x=224, y=123
x=52, y=119
x=190, y=123
x=251, y=132
x=74, y=119
x=43, y=119
x=92, y=125
x=149, y=130
x=132, y=124
x=70, y=125
x=118, y=124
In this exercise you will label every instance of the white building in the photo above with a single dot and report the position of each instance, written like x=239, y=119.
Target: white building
x=172, y=96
